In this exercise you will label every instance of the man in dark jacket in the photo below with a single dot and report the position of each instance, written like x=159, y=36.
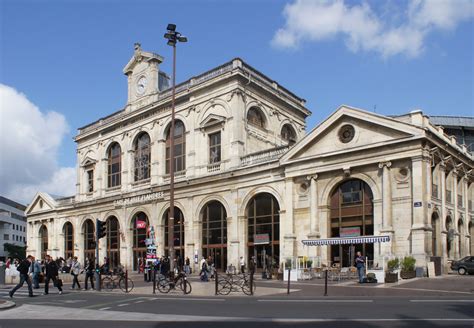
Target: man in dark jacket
x=24, y=269
x=51, y=274
x=89, y=269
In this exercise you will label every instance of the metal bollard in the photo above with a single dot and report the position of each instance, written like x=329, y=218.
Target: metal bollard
x=185, y=281
x=326, y=283
x=251, y=283
x=217, y=283
x=289, y=275
x=126, y=281
x=154, y=280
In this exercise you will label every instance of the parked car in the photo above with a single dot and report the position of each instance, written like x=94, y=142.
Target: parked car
x=463, y=266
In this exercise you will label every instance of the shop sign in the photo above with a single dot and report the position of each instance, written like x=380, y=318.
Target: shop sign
x=261, y=239
x=139, y=199
x=417, y=204
x=349, y=232
x=141, y=224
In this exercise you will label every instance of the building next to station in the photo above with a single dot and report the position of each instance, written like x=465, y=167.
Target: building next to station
x=12, y=225
x=247, y=172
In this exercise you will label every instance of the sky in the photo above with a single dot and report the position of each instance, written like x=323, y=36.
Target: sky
x=61, y=64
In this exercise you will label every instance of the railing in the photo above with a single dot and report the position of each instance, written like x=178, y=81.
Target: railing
x=65, y=201
x=448, y=196
x=434, y=191
x=264, y=156
x=213, y=167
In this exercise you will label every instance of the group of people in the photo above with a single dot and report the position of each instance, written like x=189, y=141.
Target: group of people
x=30, y=271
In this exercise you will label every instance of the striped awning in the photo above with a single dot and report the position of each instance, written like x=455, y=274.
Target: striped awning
x=349, y=240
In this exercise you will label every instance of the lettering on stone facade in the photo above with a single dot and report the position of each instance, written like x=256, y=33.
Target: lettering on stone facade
x=139, y=199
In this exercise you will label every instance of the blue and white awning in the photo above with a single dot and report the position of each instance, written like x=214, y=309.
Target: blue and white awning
x=350, y=240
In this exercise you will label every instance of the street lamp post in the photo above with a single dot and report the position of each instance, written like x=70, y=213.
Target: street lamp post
x=173, y=37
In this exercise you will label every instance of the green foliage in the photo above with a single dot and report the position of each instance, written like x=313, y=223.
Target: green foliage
x=309, y=263
x=15, y=251
x=408, y=263
x=393, y=264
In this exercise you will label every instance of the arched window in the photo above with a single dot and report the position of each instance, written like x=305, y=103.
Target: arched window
x=89, y=240
x=178, y=232
x=450, y=236
x=113, y=241
x=139, y=227
x=352, y=214
x=43, y=233
x=142, y=157
x=114, y=165
x=288, y=134
x=179, y=148
x=214, y=233
x=255, y=117
x=68, y=231
x=263, y=222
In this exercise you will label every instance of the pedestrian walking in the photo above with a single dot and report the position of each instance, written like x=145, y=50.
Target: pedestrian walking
x=187, y=266
x=52, y=273
x=204, y=270
x=360, y=265
x=75, y=271
x=89, y=269
x=36, y=271
x=242, y=265
x=24, y=269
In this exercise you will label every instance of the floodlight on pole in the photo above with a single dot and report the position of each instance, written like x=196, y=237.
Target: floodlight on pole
x=173, y=37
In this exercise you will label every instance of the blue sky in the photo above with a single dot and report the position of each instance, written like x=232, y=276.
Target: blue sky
x=68, y=56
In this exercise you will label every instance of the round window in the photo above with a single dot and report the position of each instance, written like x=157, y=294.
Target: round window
x=346, y=133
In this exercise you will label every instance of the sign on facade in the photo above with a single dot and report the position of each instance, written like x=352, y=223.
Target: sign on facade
x=151, y=252
x=417, y=204
x=141, y=224
x=349, y=232
x=139, y=199
x=261, y=239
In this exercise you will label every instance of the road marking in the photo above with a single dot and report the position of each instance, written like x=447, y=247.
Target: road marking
x=139, y=302
x=190, y=299
x=124, y=304
x=442, y=301
x=319, y=301
x=105, y=308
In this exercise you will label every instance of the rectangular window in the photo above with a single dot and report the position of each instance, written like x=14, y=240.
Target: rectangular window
x=215, y=148
x=6, y=237
x=90, y=181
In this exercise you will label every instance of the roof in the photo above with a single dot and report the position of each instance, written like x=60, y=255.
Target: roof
x=456, y=121
x=12, y=203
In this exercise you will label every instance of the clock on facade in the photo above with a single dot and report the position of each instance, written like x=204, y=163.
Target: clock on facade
x=141, y=85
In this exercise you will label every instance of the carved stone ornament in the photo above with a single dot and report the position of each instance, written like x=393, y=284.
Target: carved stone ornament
x=346, y=133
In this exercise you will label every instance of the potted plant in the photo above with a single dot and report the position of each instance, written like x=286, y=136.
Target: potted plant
x=408, y=268
x=391, y=275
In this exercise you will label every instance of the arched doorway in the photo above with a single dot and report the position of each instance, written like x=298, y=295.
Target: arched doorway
x=214, y=233
x=352, y=214
x=178, y=233
x=434, y=234
x=113, y=241
x=89, y=240
x=263, y=222
x=461, y=237
x=449, y=236
x=139, y=228
x=43, y=233
x=68, y=232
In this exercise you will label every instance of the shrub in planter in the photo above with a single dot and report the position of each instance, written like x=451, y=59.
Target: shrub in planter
x=392, y=265
x=408, y=268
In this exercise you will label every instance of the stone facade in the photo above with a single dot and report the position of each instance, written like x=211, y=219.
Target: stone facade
x=397, y=162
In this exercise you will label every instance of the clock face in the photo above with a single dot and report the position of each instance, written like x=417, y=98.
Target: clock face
x=141, y=85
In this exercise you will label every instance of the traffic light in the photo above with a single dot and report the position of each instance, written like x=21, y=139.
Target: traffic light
x=100, y=229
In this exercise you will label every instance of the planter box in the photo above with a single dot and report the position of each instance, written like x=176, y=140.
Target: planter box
x=391, y=277
x=407, y=274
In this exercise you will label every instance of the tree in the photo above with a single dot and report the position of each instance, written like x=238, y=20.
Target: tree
x=15, y=251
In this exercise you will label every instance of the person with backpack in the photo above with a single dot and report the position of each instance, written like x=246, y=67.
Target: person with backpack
x=75, y=271
x=52, y=273
x=24, y=269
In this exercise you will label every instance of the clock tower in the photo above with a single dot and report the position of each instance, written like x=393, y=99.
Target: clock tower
x=144, y=76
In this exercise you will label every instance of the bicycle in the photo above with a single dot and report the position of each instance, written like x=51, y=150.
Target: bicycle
x=180, y=281
x=236, y=283
x=110, y=282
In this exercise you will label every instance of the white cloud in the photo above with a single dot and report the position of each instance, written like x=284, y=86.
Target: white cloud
x=364, y=30
x=29, y=142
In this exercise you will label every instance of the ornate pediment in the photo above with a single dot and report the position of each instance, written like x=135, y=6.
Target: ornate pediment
x=41, y=202
x=350, y=129
x=212, y=120
x=88, y=161
x=140, y=56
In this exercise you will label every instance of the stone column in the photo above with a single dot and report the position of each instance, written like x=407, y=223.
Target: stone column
x=314, y=231
x=455, y=214
x=236, y=101
x=287, y=222
x=387, y=228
